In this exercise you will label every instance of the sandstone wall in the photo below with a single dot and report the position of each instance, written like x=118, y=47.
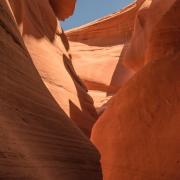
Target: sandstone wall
x=49, y=50
x=138, y=135
x=37, y=139
x=97, y=50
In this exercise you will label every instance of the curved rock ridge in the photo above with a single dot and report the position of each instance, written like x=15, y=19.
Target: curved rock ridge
x=138, y=135
x=49, y=50
x=37, y=139
x=98, y=49
x=147, y=18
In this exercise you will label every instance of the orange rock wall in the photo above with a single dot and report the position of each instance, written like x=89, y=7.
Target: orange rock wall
x=49, y=50
x=98, y=49
x=138, y=135
x=63, y=8
x=132, y=55
x=37, y=139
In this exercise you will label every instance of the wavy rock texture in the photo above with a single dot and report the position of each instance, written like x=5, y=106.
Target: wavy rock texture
x=138, y=135
x=49, y=50
x=37, y=139
x=97, y=50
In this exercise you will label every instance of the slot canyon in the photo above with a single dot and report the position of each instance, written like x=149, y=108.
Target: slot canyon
x=97, y=102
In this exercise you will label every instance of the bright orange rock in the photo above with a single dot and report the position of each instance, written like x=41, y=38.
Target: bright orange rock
x=98, y=49
x=148, y=16
x=37, y=139
x=49, y=50
x=138, y=135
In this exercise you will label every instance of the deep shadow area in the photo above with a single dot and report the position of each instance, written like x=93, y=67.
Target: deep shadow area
x=85, y=118
x=38, y=18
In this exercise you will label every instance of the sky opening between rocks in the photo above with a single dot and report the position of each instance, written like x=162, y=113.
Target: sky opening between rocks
x=89, y=10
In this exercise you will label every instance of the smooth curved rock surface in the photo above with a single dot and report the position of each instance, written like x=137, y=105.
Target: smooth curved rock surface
x=37, y=139
x=49, y=50
x=148, y=16
x=98, y=49
x=138, y=135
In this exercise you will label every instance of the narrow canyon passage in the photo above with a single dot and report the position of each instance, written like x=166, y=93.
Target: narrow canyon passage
x=96, y=102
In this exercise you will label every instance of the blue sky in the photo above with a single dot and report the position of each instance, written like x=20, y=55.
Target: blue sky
x=89, y=10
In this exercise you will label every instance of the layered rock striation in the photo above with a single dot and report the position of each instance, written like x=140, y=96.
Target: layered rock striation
x=49, y=50
x=45, y=110
x=37, y=138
